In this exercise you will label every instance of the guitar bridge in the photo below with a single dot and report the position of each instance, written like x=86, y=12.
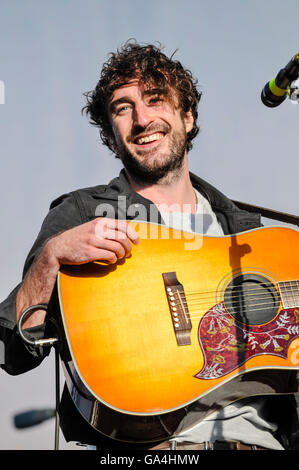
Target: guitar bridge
x=178, y=308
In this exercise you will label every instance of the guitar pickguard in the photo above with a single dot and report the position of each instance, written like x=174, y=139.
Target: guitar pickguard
x=227, y=343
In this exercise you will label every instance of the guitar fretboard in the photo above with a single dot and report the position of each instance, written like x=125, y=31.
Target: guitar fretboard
x=289, y=293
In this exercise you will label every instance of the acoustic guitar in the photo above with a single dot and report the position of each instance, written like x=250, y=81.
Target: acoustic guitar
x=180, y=318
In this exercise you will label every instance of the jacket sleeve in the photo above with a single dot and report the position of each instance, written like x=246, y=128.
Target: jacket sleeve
x=17, y=357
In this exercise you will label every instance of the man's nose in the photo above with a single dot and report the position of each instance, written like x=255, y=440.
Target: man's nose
x=142, y=115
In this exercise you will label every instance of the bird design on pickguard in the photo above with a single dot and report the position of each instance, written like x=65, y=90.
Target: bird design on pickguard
x=228, y=343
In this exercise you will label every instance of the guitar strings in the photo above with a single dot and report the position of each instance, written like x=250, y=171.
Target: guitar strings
x=240, y=302
x=240, y=296
x=236, y=303
x=249, y=307
x=256, y=292
x=241, y=299
x=232, y=295
x=264, y=284
x=194, y=315
x=199, y=313
x=237, y=293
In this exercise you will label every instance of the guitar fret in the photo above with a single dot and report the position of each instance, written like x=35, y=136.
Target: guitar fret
x=295, y=290
x=289, y=293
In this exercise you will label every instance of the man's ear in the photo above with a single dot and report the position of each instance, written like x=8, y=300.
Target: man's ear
x=189, y=120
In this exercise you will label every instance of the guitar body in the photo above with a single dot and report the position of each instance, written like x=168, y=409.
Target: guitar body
x=137, y=355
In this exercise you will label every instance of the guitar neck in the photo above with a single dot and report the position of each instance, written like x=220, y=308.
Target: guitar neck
x=289, y=293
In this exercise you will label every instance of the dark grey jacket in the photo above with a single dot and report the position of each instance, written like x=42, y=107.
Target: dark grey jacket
x=81, y=206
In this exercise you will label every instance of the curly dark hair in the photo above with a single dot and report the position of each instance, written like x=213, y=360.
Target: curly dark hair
x=150, y=65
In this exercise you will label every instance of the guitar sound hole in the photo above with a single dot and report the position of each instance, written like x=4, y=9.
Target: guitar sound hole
x=251, y=299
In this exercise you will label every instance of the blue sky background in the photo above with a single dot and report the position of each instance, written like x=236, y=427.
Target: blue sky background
x=52, y=51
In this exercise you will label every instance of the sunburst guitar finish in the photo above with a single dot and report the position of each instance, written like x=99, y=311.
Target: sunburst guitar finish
x=180, y=317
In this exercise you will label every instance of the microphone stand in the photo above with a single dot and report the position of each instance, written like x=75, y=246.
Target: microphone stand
x=57, y=399
x=269, y=213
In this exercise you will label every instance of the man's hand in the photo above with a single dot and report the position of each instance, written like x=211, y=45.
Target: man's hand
x=101, y=239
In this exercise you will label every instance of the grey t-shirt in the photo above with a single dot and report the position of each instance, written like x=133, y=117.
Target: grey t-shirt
x=243, y=421
x=203, y=221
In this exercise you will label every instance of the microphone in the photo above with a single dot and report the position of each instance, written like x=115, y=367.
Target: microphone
x=32, y=418
x=276, y=91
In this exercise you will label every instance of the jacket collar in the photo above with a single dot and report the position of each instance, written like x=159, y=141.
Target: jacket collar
x=232, y=219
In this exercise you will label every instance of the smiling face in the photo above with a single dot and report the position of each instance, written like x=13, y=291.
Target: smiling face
x=149, y=130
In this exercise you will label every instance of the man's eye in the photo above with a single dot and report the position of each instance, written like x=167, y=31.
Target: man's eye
x=122, y=109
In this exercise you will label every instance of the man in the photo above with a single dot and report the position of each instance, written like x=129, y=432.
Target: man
x=145, y=106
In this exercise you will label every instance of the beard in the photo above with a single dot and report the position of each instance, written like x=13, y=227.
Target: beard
x=150, y=166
